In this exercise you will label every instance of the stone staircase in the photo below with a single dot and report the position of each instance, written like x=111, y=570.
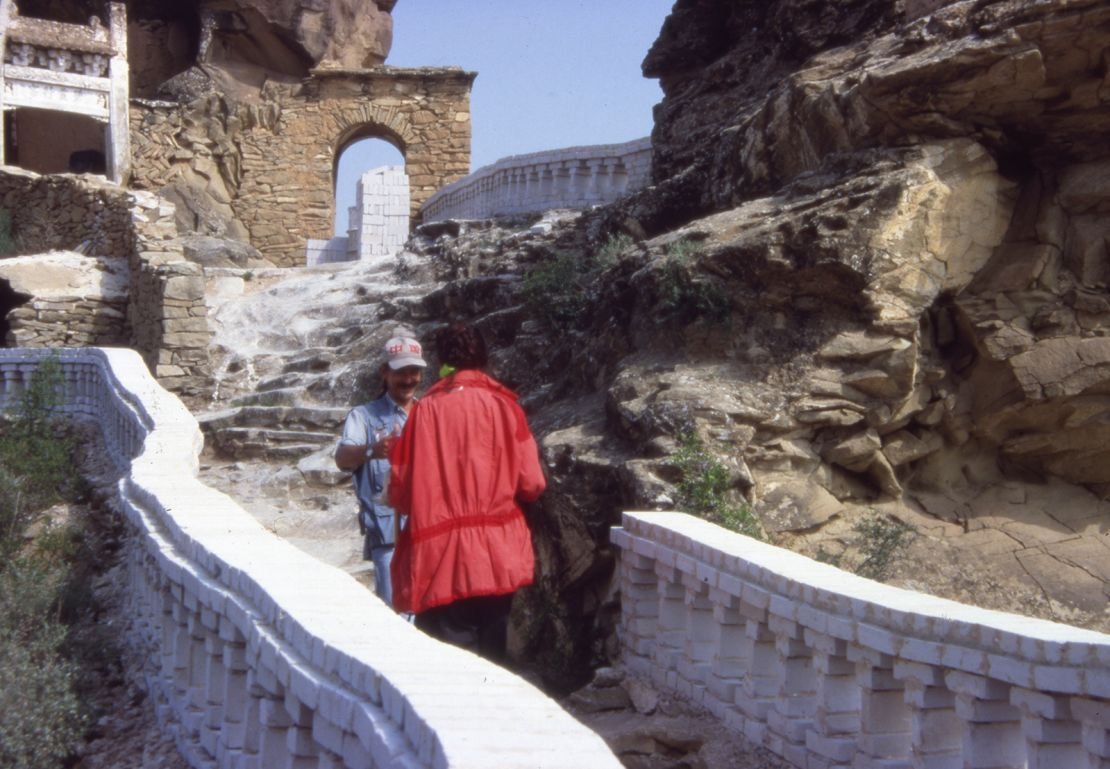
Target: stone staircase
x=278, y=432
x=293, y=350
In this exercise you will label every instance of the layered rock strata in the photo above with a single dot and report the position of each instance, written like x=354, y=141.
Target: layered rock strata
x=869, y=279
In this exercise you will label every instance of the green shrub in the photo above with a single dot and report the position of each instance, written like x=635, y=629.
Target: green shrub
x=610, y=252
x=552, y=292
x=681, y=295
x=32, y=449
x=41, y=718
x=40, y=714
x=558, y=292
x=704, y=488
x=881, y=542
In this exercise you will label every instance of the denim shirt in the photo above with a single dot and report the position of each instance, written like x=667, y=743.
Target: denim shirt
x=377, y=418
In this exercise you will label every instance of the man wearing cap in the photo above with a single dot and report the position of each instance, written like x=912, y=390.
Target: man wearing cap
x=368, y=433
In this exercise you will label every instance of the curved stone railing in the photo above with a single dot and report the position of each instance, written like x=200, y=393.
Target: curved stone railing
x=261, y=657
x=575, y=177
x=828, y=669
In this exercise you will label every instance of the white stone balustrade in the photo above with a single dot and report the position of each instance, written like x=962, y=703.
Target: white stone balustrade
x=575, y=177
x=833, y=671
x=261, y=657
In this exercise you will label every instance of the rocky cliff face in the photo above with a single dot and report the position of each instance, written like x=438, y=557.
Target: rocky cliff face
x=326, y=33
x=870, y=277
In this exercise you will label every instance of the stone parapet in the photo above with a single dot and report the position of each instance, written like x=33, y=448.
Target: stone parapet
x=258, y=654
x=575, y=177
x=828, y=669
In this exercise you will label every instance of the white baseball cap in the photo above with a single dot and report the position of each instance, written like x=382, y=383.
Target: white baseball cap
x=402, y=351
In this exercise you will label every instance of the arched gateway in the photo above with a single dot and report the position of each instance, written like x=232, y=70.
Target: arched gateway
x=288, y=147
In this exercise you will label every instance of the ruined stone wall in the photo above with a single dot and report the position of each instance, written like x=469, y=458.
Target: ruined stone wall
x=265, y=171
x=135, y=289
x=56, y=213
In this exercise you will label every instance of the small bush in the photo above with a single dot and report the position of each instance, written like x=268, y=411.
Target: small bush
x=557, y=293
x=610, y=252
x=704, y=487
x=32, y=450
x=881, y=542
x=40, y=715
x=41, y=718
x=681, y=295
x=552, y=292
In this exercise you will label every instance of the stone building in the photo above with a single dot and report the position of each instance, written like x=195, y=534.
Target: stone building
x=234, y=114
x=64, y=93
x=268, y=167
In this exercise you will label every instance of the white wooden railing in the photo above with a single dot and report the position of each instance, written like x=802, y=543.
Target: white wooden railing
x=828, y=669
x=261, y=657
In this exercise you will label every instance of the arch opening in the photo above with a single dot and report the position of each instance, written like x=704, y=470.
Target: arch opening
x=372, y=201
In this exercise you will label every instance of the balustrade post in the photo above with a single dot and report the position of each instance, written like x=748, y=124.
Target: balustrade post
x=670, y=630
x=195, y=701
x=992, y=733
x=936, y=733
x=581, y=183
x=1094, y=715
x=697, y=648
x=547, y=186
x=561, y=194
x=594, y=189
x=639, y=610
x=236, y=700
x=1053, y=738
x=8, y=374
x=619, y=179
x=274, y=719
x=729, y=663
x=838, y=702
x=887, y=722
x=266, y=722
x=756, y=696
x=794, y=708
x=214, y=682
x=532, y=190
x=300, y=747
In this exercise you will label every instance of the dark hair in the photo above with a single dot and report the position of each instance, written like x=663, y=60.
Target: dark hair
x=462, y=346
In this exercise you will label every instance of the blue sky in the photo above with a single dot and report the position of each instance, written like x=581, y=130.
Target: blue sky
x=551, y=73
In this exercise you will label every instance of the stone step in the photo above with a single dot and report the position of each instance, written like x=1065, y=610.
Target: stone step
x=278, y=396
x=276, y=417
x=251, y=442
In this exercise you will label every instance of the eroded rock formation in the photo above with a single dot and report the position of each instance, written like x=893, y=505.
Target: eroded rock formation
x=870, y=276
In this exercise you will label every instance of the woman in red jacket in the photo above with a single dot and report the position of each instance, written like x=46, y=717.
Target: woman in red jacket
x=460, y=471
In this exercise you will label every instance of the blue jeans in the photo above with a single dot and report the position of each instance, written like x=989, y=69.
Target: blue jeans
x=383, y=585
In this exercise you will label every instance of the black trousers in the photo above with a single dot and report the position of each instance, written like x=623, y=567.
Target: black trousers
x=478, y=624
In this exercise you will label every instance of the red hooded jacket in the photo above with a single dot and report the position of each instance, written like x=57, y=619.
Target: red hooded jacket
x=464, y=462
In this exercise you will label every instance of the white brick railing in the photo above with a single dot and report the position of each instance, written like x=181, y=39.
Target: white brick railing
x=261, y=657
x=575, y=177
x=831, y=670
